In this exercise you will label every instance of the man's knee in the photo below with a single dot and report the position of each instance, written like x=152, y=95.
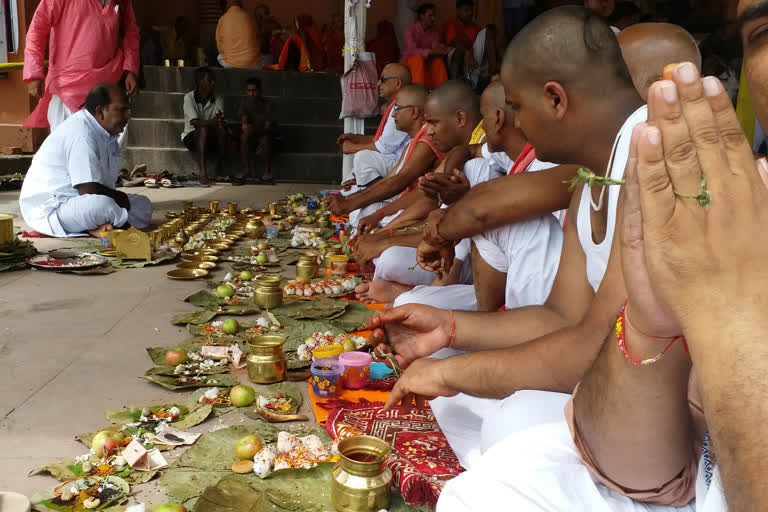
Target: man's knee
x=102, y=203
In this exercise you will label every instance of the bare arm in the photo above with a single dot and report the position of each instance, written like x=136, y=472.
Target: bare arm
x=422, y=160
x=349, y=147
x=523, y=196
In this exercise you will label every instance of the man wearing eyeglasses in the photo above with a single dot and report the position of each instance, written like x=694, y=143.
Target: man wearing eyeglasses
x=376, y=155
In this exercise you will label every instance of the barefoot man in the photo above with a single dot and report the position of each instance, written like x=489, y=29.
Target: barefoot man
x=69, y=189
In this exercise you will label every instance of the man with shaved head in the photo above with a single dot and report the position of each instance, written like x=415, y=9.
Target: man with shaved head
x=648, y=47
x=452, y=114
x=419, y=157
x=376, y=155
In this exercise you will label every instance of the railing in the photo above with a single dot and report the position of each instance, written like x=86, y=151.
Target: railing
x=10, y=66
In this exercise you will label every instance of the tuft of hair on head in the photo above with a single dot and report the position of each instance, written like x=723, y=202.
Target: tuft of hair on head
x=101, y=96
x=422, y=9
x=570, y=45
x=253, y=80
x=454, y=95
x=464, y=3
x=204, y=72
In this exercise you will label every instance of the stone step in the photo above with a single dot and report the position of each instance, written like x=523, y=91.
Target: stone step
x=296, y=138
x=154, y=104
x=287, y=167
x=10, y=164
x=290, y=84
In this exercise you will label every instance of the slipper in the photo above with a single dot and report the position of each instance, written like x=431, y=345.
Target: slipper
x=151, y=182
x=171, y=182
x=139, y=170
x=134, y=183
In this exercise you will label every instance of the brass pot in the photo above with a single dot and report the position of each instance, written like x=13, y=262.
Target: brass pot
x=6, y=228
x=361, y=479
x=255, y=228
x=181, y=238
x=268, y=293
x=213, y=207
x=306, y=270
x=266, y=361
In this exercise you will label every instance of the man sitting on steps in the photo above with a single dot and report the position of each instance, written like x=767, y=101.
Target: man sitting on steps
x=69, y=189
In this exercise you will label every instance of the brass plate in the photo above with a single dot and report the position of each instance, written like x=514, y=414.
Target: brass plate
x=187, y=273
x=199, y=252
x=220, y=246
x=236, y=232
x=205, y=265
x=198, y=259
x=108, y=252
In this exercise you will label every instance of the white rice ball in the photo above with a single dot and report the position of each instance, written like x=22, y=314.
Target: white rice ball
x=286, y=442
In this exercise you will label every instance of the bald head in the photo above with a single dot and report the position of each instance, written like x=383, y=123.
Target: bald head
x=648, y=47
x=570, y=45
x=493, y=95
x=397, y=70
x=455, y=95
x=414, y=94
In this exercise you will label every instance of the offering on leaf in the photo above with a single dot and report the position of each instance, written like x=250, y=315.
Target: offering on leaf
x=83, y=494
x=291, y=452
x=332, y=287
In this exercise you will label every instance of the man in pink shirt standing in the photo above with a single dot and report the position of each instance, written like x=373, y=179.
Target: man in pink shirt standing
x=83, y=52
x=423, y=52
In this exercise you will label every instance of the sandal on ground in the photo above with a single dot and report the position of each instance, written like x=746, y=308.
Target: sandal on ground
x=171, y=182
x=152, y=182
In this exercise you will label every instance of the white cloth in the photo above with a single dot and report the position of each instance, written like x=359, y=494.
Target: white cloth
x=193, y=109
x=392, y=142
x=459, y=297
x=597, y=254
x=399, y=264
x=84, y=213
x=79, y=151
x=537, y=469
x=58, y=112
x=369, y=165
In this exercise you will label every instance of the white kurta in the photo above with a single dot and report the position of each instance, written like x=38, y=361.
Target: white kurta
x=369, y=165
x=79, y=151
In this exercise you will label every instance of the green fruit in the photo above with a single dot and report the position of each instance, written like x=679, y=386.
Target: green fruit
x=171, y=507
x=224, y=291
x=242, y=395
x=248, y=446
x=262, y=258
x=230, y=326
x=299, y=196
x=245, y=275
x=349, y=345
x=309, y=219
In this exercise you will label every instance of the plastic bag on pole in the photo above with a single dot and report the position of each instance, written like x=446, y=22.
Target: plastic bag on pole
x=359, y=88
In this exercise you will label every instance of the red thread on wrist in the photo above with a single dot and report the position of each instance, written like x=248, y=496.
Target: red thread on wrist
x=621, y=339
x=453, y=330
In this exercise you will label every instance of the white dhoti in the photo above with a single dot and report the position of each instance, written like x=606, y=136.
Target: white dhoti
x=87, y=212
x=399, y=264
x=356, y=216
x=58, y=112
x=368, y=166
x=458, y=297
x=478, y=52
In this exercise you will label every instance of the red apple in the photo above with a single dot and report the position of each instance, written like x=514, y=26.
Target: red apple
x=104, y=444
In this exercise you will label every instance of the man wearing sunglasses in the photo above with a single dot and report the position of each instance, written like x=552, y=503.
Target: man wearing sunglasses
x=376, y=155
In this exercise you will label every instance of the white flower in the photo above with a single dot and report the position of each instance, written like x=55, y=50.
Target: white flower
x=262, y=322
x=212, y=393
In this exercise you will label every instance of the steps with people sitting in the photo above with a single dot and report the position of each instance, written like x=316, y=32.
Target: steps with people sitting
x=305, y=107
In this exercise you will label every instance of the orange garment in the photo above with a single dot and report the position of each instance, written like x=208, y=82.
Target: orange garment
x=304, y=60
x=455, y=29
x=237, y=38
x=384, y=45
x=430, y=72
x=314, y=43
x=352, y=395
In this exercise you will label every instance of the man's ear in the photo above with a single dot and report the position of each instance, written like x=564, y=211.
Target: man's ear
x=461, y=118
x=556, y=100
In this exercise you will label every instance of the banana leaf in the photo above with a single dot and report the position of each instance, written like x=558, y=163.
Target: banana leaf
x=314, y=309
x=207, y=381
x=354, y=318
x=196, y=318
x=207, y=461
x=290, y=391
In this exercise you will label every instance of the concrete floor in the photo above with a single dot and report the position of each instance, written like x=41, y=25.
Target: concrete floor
x=73, y=346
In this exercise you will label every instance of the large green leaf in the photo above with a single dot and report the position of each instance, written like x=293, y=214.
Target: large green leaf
x=203, y=299
x=198, y=317
x=61, y=470
x=354, y=318
x=170, y=371
x=158, y=353
x=195, y=414
x=168, y=382
x=297, y=331
x=230, y=495
x=314, y=309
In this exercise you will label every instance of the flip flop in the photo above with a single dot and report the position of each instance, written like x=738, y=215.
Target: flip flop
x=151, y=182
x=171, y=182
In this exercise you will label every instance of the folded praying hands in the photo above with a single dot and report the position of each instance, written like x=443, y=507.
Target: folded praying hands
x=685, y=264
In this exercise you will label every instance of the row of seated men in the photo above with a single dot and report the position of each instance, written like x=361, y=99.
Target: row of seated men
x=467, y=206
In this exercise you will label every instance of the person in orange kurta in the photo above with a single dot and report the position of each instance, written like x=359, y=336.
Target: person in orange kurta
x=423, y=52
x=237, y=38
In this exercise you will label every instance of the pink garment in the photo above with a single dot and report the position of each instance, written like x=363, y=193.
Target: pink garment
x=83, y=50
x=418, y=42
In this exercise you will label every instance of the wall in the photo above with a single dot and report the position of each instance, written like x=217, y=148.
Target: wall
x=15, y=104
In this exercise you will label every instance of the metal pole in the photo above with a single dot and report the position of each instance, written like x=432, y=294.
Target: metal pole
x=354, y=32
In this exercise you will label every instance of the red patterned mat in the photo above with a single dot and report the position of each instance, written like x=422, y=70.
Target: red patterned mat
x=422, y=461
